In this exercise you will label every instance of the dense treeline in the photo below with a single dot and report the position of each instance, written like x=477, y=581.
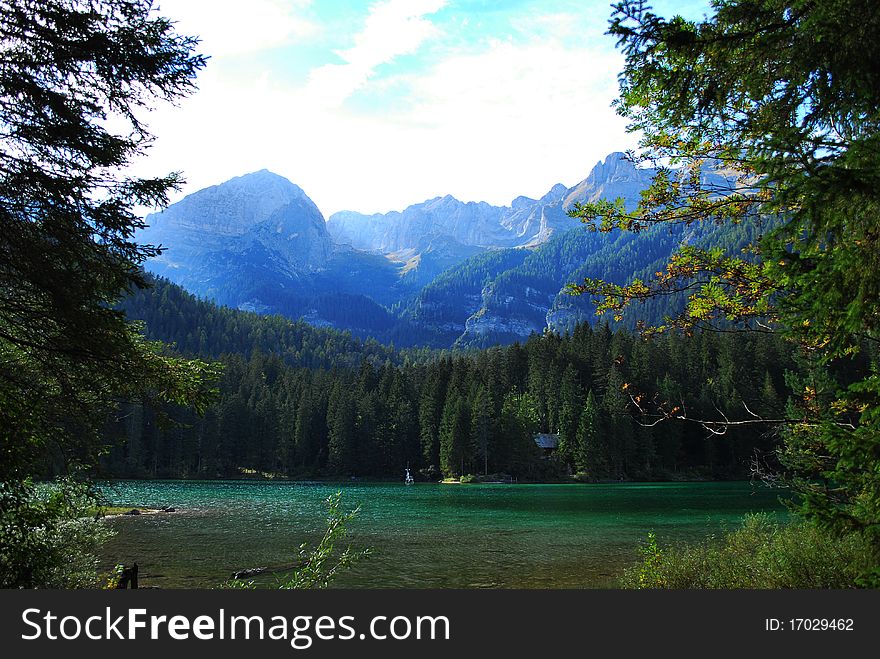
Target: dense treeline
x=300, y=401
x=198, y=327
x=515, y=286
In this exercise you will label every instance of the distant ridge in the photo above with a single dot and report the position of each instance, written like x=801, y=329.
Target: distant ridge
x=526, y=222
x=442, y=272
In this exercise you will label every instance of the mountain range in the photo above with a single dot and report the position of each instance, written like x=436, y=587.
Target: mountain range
x=525, y=223
x=439, y=273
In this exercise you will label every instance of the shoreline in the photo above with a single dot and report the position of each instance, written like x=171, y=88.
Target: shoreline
x=446, y=481
x=114, y=512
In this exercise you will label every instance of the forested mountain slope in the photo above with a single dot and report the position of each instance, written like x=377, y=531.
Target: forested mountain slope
x=299, y=401
x=438, y=274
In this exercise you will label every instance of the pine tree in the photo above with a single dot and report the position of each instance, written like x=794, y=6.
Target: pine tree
x=520, y=420
x=341, y=432
x=430, y=411
x=304, y=445
x=67, y=218
x=670, y=444
x=483, y=428
x=590, y=447
x=786, y=94
x=67, y=252
x=569, y=415
x=769, y=404
x=620, y=439
x=455, y=453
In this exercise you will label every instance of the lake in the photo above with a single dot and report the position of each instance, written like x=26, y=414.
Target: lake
x=427, y=535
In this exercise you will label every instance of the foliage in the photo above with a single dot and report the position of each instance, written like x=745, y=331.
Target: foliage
x=454, y=436
x=760, y=554
x=75, y=79
x=590, y=454
x=69, y=71
x=319, y=565
x=301, y=402
x=198, y=327
x=784, y=95
x=48, y=538
x=649, y=574
x=114, y=577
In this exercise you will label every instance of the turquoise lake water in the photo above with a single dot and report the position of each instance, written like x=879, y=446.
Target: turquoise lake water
x=424, y=535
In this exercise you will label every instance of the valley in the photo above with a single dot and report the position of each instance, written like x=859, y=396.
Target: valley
x=441, y=273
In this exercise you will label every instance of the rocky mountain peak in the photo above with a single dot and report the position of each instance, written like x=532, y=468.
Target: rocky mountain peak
x=233, y=207
x=615, y=165
x=522, y=202
x=556, y=193
x=616, y=176
x=260, y=219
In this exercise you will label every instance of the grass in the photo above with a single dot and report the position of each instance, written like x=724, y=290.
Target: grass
x=760, y=554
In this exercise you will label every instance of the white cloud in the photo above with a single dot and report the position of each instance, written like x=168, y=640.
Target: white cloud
x=510, y=118
x=232, y=27
x=392, y=28
x=513, y=118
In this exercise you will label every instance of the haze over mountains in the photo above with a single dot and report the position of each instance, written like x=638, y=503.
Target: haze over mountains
x=525, y=223
x=439, y=273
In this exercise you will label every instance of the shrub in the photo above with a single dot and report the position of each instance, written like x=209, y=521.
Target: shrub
x=760, y=554
x=48, y=536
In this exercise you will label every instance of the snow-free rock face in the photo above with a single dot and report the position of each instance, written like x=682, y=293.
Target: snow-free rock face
x=259, y=213
x=442, y=273
x=258, y=243
x=471, y=224
x=614, y=177
x=232, y=208
x=525, y=223
x=297, y=231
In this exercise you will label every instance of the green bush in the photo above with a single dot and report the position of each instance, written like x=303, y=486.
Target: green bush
x=49, y=536
x=760, y=554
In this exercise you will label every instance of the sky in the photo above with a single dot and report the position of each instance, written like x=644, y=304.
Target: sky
x=373, y=105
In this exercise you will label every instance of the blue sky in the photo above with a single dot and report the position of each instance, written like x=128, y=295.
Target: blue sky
x=375, y=105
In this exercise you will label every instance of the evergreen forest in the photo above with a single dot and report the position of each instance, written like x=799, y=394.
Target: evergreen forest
x=302, y=402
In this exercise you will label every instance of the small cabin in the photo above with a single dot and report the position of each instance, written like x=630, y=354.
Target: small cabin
x=547, y=442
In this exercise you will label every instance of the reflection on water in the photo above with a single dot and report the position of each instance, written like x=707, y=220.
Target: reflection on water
x=423, y=536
